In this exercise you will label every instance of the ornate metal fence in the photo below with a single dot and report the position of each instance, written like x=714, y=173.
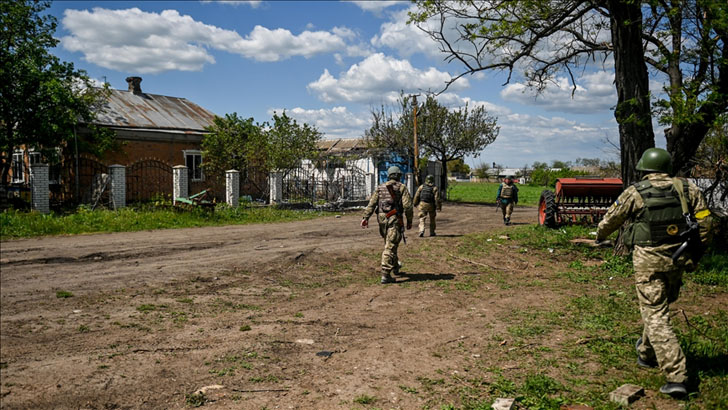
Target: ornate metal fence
x=147, y=178
x=318, y=185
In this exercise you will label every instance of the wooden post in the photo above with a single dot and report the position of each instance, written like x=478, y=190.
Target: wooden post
x=417, y=149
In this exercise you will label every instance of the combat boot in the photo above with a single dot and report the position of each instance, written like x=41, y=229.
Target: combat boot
x=422, y=234
x=386, y=278
x=397, y=268
x=649, y=364
x=675, y=390
x=508, y=221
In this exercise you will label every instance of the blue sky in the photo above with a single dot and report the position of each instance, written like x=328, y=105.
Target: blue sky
x=327, y=63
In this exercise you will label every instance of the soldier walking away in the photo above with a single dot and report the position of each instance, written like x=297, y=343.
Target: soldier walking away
x=667, y=216
x=427, y=200
x=393, y=203
x=507, y=197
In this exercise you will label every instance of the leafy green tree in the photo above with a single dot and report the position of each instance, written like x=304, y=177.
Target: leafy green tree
x=392, y=129
x=227, y=145
x=686, y=41
x=43, y=98
x=452, y=134
x=459, y=166
x=481, y=170
x=288, y=142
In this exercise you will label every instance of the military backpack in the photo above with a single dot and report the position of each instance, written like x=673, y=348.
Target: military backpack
x=661, y=220
x=427, y=194
x=386, y=201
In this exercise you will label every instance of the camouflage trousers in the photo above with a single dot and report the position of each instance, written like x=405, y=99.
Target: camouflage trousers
x=425, y=210
x=655, y=292
x=389, y=230
x=507, y=209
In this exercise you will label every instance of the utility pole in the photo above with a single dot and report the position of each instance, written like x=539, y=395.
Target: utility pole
x=417, y=148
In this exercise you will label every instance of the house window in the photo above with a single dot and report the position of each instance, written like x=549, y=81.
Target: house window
x=18, y=167
x=193, y=160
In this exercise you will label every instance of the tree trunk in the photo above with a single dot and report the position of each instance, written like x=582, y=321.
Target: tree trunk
x=633, y=112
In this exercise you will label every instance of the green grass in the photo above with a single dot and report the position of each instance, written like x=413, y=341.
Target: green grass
x=17, y=224
x=485, y=192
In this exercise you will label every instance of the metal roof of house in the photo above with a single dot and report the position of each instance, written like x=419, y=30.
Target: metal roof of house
x=153, y=112
x=342, y=145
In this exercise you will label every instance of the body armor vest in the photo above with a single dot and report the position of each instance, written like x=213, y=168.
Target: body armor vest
x=427, y=194
x=506, y=191
x=386, y=202
x=661, y=220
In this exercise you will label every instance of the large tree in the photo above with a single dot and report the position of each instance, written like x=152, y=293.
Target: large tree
x=686, y=41
x=226, y=145
x=41, y=98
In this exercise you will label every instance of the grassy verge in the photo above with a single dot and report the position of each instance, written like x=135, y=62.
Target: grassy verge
x=485, y=192
x=16, y=224
x=580, y=347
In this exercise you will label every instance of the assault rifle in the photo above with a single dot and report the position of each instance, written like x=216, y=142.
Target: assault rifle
x=691, y=241
x=498, y=204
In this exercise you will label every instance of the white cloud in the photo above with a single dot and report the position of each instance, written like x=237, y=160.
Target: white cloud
x=252, y=3
x=405, y=38
x=525, y=138
x=337, y=122
x=376, y=7
x=143, y=42
x=596, y=93
x=379, y=78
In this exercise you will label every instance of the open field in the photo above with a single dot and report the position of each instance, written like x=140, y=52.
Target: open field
x=291, y=315
x=485, y=192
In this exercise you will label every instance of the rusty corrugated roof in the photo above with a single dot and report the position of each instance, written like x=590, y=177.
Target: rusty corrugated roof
x=342, y=145
x=153, y=111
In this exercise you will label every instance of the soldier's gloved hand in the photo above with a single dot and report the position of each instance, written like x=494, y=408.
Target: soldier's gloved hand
x=364, y=223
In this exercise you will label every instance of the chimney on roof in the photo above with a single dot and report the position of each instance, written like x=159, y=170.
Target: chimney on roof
x=134, y=84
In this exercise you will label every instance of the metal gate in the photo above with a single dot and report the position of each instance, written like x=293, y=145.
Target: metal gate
x=326, y=184
x=146, y=179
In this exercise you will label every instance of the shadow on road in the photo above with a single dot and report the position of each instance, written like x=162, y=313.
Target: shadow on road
x=418, y=277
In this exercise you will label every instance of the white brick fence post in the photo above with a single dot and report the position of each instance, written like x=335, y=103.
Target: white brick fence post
x=180, y=187
x=410, y=183
x=117, y=174
x=276, y=187
x=232, y=187
x=40, y=194
x=371, y=181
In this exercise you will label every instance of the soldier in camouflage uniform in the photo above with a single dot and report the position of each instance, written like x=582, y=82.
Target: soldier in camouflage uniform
x=654, y=209
x=391, y=200
x=508, y=197
x=427, y=199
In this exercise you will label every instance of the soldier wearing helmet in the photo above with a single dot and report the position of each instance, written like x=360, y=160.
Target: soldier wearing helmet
x=507, y=197
x=427, y=199
x=656, y=209
x=393, y=203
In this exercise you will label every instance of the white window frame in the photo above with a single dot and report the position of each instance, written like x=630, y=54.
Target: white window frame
x=18, y=163
x=194, y=170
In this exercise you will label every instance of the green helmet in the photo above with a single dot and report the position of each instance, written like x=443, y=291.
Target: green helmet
x=430, y=179
x=655, y=160
x=394, y=172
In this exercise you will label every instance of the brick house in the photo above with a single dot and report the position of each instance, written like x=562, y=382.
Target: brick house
x=156, y=133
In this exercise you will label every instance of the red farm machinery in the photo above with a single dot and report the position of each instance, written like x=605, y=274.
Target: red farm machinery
x=581, y=200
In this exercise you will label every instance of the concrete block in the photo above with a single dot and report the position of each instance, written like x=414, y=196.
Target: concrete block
x=503, y=404
x=626, y=394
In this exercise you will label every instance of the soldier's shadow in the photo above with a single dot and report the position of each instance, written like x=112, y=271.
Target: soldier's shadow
x=419, y=277
x=708, y=365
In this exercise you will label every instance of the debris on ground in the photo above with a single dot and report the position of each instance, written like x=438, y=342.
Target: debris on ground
x=503, y=404
x=626, y=394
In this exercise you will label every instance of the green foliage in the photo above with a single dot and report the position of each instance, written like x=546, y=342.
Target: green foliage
x=196, y=399
x=365, y=399
x=17, y=224
x=546, y=177
x=227, y=146
x=236, y=143
x=458, y=166
x=63, y=294
x=43, y=98
x=712, y=270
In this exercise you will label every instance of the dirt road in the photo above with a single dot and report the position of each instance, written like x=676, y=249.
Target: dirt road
x=156, y=315
x=88, y=263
